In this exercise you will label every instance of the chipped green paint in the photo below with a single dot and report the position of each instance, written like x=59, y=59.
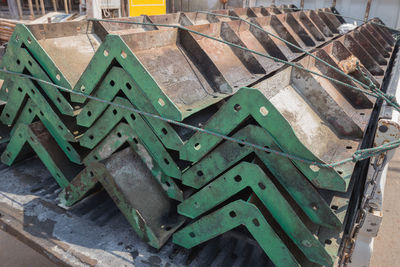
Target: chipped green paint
x=110, y=118
x=22, y=89
x=251, y=175
x=231, y=216
x=114, y=49
x=28, y=115
x=52, y=157
x=228, y=154
x=117, y=82
x=249, y=102
x=39, y=65
x=119, y=136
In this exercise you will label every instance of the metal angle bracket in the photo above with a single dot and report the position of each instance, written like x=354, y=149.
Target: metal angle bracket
x=118, y=81
x=250, y=175
x=251, y=102
x=112, y=116
x=45, y=147
x=231, y=216
x=228, y=154
x=120, y=135
x=137, y=194
x=115, y=49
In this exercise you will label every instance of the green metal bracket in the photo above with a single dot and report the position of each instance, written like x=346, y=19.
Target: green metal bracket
x=114, y=49
x=28, y=115
x=4, y=129
x=249, y=102
x=117, y=82
x=110, y=119
x=250, y=175
x=18, y=59
x=121, y=134
x=136, y=193
x=231, y=216
x=228, y=154
x=45, y=147
x=26, y=89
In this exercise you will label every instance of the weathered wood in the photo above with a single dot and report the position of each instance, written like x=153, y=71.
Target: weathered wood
x=42, y=7
x=66, y=6
x=19, y=9
x=54, y=5
x=31, y=10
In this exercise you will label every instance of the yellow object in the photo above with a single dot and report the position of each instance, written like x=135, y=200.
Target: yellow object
x=147, y=7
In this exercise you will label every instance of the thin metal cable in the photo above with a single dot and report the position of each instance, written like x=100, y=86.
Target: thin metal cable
x=243, y=48
x=291, y=44
x=357, y=156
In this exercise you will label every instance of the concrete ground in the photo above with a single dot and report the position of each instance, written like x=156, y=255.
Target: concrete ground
x=13, y=253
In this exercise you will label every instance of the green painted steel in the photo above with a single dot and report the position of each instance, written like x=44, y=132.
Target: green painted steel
x=114, y=49
x=19, y=59
x=231, y=216
x=45, y=147
x=110, y=119
x=23, y=89
x=122, y=134
x=296, y=185
x=139, y=197
x=118, y=82
x=252, y=103
x=28, y=115
x=250, y=175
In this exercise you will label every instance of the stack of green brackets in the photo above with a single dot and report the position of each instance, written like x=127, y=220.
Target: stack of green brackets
x=169, y=180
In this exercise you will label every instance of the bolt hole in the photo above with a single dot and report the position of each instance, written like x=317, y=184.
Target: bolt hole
x=105, y=53
x=123, y=54
x=18, y=61
x=166, y=161
x=20, y=89
x=119, y=134
x=91, y=174
x=91, y=137
x=340, y=172
x=135, y=140
x=89, y=113
x=68, y=148
x=115, y=112
x=349, y=147
x=334, y=207
x=30, y=63
x=267, y=147
x=112, y=83
x=33, y=91
x=96, y=157
x=232, y=214
x=133, y=117
x=7, y=115
x=200, y=173
x=30, y=110
x=60, y=127
x=58, y=77
x=261, y=185
x=256, y=222
x=237, y=107
x=191, y=234
x=238, y=178
x=41, y=113
x=362, y=113
x=197, y=146
x=58, y=100
x=328, y=241
x=129, y=86
x=164, y=131
x=167, y=183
